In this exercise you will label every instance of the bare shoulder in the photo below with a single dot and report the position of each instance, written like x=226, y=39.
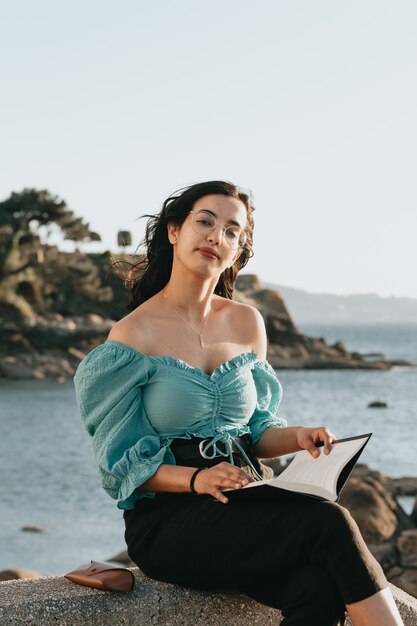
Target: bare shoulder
x=133, y=329
x=251, y=326
x=246, y=312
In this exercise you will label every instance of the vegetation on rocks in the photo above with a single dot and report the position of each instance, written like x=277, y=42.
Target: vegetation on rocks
x=30, y=270
x=55, y=306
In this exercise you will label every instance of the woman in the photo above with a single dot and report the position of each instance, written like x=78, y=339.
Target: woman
x=181, y=403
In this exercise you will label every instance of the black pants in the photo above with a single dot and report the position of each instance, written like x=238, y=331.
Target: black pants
x=301, y=555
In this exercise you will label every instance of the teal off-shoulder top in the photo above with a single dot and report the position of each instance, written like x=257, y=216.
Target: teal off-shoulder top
x=133, y=405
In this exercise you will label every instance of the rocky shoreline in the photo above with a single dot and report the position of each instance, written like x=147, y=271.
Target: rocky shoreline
x=290, y=349
x=373, y=500
x=51, y=346
x=390, y=532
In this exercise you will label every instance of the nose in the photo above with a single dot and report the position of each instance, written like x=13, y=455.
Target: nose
x=216, y=234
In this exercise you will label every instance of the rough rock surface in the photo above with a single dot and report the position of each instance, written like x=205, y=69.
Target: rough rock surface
x=373, y=508
x=406, y=580
x=54, y=600
x=405, y=486
x=290, y=349
x=391, y=534
x=407, y=546
x=51, y=346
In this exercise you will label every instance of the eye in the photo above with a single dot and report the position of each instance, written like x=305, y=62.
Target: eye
x=204, y=221
x=232, y=233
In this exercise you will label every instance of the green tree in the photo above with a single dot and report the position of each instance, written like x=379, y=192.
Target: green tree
x=21, y=248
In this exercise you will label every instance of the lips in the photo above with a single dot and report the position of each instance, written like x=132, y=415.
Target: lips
x=209, y=252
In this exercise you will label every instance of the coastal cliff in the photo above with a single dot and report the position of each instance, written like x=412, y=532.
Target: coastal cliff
x=72, y=309
x=288, y=348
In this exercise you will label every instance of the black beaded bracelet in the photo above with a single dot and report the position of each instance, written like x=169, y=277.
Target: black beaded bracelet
x=193, y=477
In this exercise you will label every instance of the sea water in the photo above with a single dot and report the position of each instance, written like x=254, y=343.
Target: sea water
x=47, y=472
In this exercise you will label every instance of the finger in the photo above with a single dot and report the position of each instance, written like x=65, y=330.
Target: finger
x=327, y=440
x=240, y=480
x=219, y=496
x=231, y=484
x=311, y=448
x=239, y=477
x=323, y=435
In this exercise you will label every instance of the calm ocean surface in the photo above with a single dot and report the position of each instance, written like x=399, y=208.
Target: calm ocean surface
x=48, y=478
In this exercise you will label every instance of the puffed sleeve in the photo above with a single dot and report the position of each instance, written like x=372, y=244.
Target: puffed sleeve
x=269, y=395
x=127, y=450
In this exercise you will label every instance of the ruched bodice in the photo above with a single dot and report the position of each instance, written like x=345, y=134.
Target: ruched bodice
x=182, y=400
x=134, y=405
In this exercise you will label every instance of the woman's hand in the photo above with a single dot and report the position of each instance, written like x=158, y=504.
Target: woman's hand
x=308, y=437
x=222, y=476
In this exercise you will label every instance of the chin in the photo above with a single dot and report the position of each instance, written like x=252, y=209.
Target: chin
x=208, y=272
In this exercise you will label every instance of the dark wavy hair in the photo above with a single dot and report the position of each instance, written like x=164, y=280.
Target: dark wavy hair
x=153, y=270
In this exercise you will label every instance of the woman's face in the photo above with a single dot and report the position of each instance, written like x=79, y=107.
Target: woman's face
x=209, y=253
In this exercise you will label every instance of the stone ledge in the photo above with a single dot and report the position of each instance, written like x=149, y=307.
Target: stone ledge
x=54, y=600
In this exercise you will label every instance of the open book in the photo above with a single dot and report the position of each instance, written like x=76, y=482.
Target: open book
x=322, y=477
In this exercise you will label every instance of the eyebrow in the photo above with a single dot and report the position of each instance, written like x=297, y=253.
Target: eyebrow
x=232, y=222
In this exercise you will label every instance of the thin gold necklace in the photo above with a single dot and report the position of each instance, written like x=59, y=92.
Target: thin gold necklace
x=200, y=334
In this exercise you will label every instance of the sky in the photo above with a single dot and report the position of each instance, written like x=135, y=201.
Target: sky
x=311, y=105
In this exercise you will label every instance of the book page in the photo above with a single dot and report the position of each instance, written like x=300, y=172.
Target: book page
x=322, y=476
x=322, y=471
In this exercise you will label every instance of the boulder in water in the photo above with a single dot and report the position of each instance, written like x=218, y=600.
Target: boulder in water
x=33, y=528
x=407, y=545
x=373, y=508
x=17, y=573
x=405, y=579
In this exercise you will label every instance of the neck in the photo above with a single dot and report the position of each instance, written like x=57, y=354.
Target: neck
x=192, y=296
x=199, y=315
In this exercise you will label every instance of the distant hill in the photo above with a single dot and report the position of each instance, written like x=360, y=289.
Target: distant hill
x=310, y=308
